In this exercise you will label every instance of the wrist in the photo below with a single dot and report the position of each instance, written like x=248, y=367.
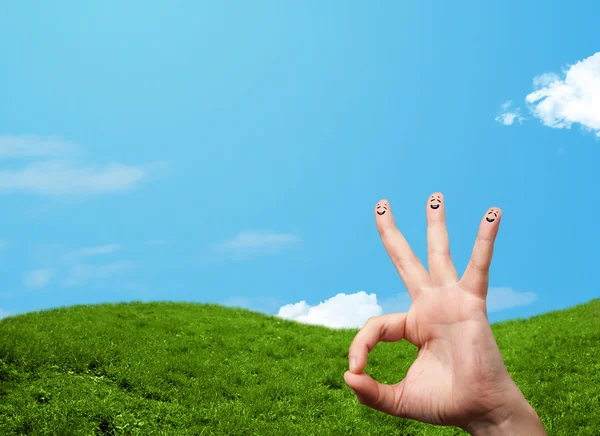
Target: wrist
x=515, y=417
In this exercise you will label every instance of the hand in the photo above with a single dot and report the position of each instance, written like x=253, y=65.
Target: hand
x=458, y=377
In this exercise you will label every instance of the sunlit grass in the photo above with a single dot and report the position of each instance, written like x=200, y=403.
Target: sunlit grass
x=194, y=369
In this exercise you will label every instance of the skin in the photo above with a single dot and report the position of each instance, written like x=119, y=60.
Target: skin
x=458, y=377
x=382, y=207
x=435, y=201
x=491, y=216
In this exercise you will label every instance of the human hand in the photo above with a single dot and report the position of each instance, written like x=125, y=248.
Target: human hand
x=458, y=377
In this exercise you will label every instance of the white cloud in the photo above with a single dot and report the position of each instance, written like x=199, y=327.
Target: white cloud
x=341, y=311
x=34, y=146
x=506, y=298
x=83, y=273
x=559, y=103
x=247, y=244
x=38, y=278
x=258, y=304
x=353, y=310
x=508, y=118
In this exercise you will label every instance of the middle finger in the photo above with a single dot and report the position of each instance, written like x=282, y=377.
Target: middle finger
x=441, y=268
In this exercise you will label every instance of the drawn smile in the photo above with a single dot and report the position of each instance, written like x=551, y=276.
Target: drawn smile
x=491, y=218
x=381, y=209
x=433, y=204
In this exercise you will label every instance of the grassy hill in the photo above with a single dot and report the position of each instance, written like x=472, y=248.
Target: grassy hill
x=194, y=369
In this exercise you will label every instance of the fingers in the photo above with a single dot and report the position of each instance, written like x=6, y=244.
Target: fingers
x=441, y=268
x=475, y=278
x=413, y=273
x=382, y=397
x=385, y=328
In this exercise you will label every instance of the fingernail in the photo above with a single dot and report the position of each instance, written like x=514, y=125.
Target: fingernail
x=353, y=364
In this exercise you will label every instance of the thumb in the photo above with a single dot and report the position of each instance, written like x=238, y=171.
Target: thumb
x=379, y=396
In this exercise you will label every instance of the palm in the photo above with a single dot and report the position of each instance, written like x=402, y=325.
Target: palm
x=458, y=371
x=445, y=384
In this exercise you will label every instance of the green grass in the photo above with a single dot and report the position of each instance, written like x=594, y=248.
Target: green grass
x=194, y=369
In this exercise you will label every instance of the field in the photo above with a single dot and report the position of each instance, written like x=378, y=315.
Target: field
x=168, y=368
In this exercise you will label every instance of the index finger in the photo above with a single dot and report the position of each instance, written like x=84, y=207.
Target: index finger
x=384, y=328
x=411, y=270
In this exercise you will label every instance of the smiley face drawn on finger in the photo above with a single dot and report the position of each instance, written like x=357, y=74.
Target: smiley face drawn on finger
x=435, y=201
x=381, y=208
x=491, y=216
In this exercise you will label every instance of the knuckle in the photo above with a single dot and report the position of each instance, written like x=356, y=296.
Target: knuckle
x=402, y=263
x=438, y=252
x=484, y=239
x=383, y=330
x=478, y=266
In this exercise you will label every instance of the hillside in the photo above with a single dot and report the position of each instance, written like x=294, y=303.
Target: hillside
x=181, y=368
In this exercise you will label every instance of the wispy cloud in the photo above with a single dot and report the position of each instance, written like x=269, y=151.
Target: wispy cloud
x=101, y=249
x=64, y=177
x=76, y=256
x=35, y=146
x=38, y=278
x=83, y=273
x=248, y=244
x=57, y=174
x=502, y=298
x=340, y=311
x=559, y=103
x=509, y=117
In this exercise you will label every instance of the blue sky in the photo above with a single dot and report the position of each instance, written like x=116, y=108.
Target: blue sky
x=233, y=153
